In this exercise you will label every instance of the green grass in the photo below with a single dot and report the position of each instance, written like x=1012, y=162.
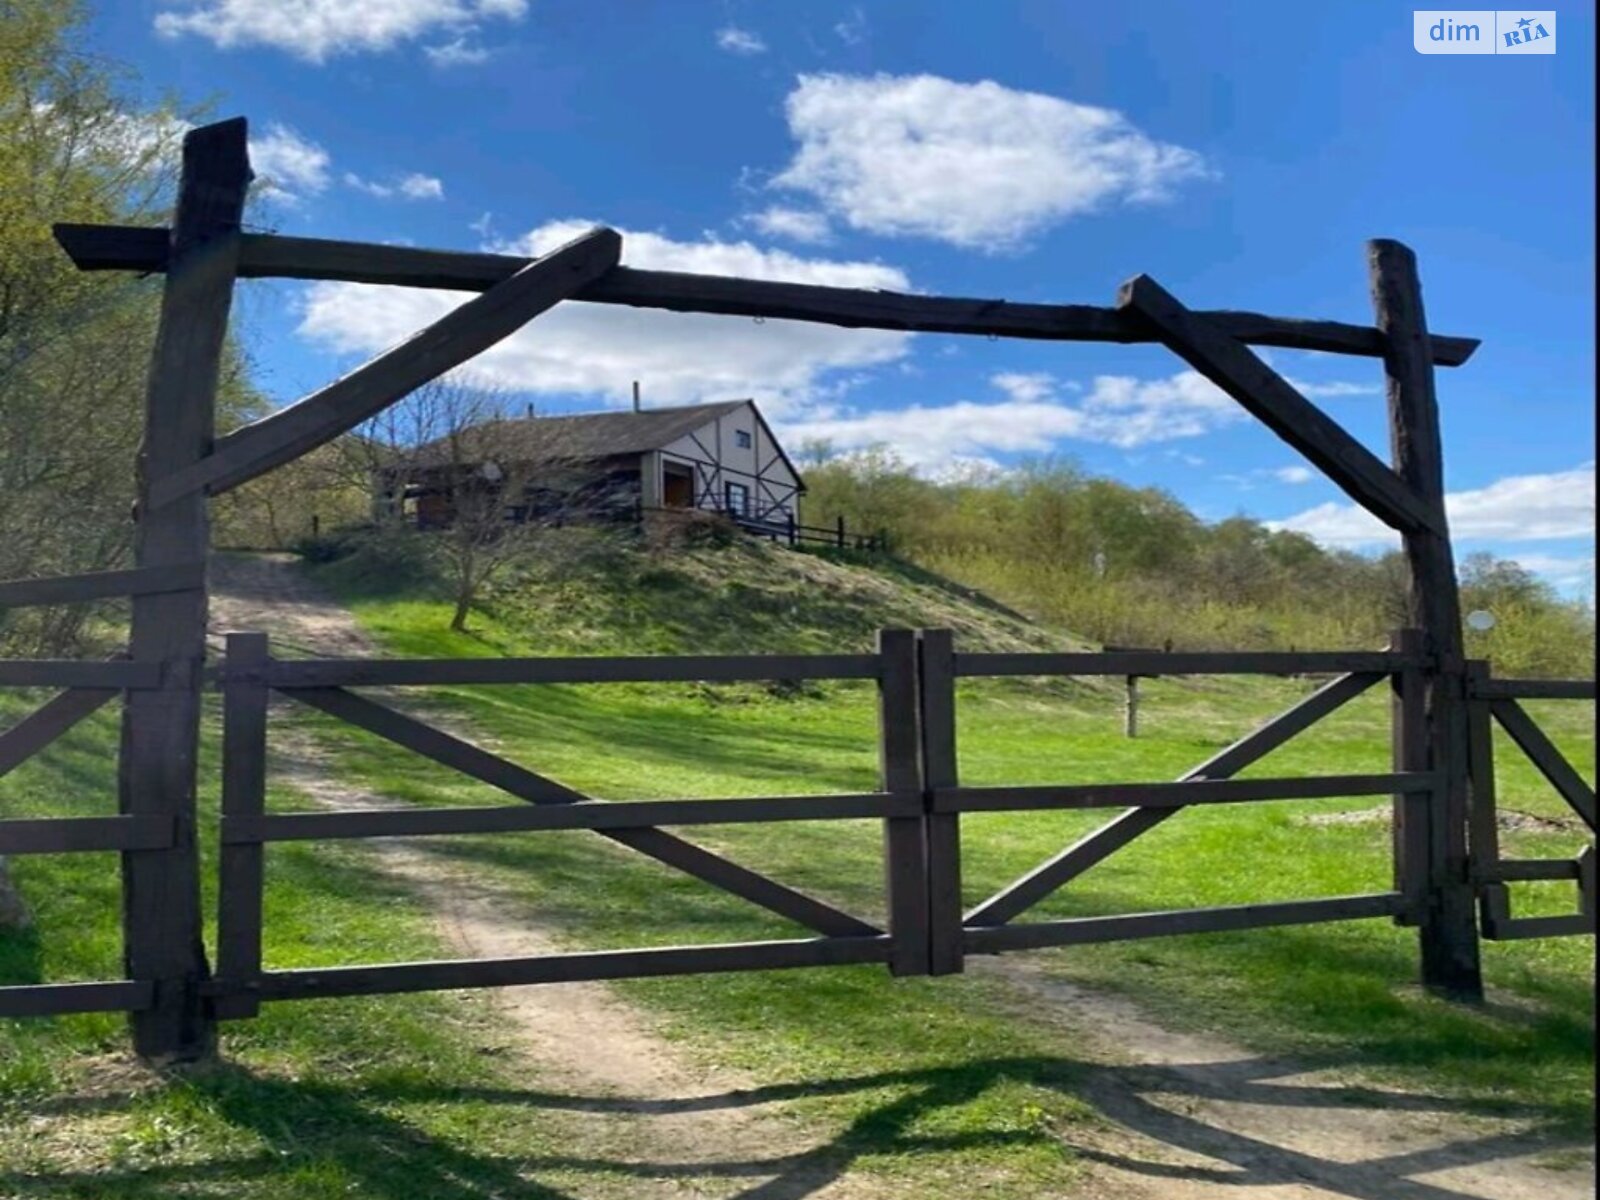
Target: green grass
x=935, y=1085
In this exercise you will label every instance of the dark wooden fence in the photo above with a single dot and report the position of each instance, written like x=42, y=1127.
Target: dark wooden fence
x=206, y=250
x=919, y=801
x=786, y=529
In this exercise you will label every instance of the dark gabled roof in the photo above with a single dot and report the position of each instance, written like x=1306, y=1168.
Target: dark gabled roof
x=582, y=436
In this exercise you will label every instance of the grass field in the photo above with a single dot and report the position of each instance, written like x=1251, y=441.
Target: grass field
x=944, y=1081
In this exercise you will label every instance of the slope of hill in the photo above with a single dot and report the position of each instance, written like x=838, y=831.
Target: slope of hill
x=589, y=593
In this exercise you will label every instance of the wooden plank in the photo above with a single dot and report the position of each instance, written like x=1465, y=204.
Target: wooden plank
x=111, y=247
x=1518, y=929
x=940, y=771
x=1519, y=870
x=52, y=999
x=450, y=341
x=1269, y=397
x=1179, y=794
x=162, y=922
x=1447, y=931
x=76, y=673
x=536, y=789
x=324, y=673
x=1531, y=689
x=1156, y=663
x=1033, y=887
x=565, y=968
x=1531, y=740
x=1410, y=749
x=48, y=722
x=68, y=835
x=1483, y=823
x=905, y=846
x=99, y=585
x=241, y=881
x=590, y=814
x=1086, y=930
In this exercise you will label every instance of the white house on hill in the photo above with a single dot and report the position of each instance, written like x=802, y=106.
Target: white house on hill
x=715, y=457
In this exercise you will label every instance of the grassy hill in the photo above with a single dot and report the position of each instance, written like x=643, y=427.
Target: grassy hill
x=584, y=592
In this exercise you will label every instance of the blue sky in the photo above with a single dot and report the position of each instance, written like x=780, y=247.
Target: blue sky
x=1239, y=152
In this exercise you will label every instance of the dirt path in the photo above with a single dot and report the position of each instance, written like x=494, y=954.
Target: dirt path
x=1190, y=1118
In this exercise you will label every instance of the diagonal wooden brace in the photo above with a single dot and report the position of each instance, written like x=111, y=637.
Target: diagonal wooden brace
x=527, y=785
x=446, y=344
x=1033, y=887
x=1233, y=367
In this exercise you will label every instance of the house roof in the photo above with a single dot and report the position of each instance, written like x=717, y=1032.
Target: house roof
x=580, y=436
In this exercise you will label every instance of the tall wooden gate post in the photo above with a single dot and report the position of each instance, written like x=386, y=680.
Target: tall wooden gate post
x=936, y=692
x=1448, y=930
x=161, y=728
x=905, y=848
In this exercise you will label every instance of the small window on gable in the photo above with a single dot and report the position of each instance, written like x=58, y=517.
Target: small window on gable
x=741, y=438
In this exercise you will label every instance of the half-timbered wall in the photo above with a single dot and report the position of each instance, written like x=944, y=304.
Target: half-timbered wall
x=717, y=459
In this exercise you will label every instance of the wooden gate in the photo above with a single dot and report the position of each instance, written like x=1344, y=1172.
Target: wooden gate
x=184, y=462
x=250, y=673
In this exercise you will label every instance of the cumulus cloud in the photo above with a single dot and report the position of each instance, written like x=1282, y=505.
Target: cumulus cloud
x=599, y=350
x=1033, y=418
x=414, y=186
x=740, y=41
x=316, y=30
x=792, y=224
x=288, y=165
x=1518, y=508
x=974, y=164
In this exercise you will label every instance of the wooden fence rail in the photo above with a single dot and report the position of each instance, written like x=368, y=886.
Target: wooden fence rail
x=920, y=806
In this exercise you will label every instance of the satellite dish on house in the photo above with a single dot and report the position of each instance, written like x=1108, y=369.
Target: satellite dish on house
x=1480, y=621
x=491, y=471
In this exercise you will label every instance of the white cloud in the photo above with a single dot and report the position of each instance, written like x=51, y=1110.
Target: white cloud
x=740, y=41
x=598, y=350
x=1571, y=574
x=288, y=165
x=793, y=224
x=1518, y=508
x=1294, y=475
x=1336, y=388
x=1114, y=409
x=852, y=31
x=316, y=30
x=976, y=165
x=457, y=52
x=412, y=187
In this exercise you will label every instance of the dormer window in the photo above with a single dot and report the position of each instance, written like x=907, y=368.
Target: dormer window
x=741, y=439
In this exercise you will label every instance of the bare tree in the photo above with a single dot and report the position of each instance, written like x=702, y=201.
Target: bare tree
x=446, y=464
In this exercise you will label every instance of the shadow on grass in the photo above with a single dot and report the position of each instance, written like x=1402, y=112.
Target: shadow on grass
x=360, y=1137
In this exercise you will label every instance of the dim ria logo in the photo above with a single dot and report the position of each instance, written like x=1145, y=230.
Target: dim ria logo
x=1484, y=31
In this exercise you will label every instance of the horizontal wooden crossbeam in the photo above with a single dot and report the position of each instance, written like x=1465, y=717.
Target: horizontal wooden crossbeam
x=125, y=248
x=526, y=785
x=67, y=835
x=100, y=585
x=419, y=672
x=1085, y=930
x=1153, y=663
x=77, y=673
x=1033, y=887
x=590, y=814
x=1271, y=399
x=556, y=968
x=1531, y=689
x=450, y=341
x=1179, y=794
x=52, y=999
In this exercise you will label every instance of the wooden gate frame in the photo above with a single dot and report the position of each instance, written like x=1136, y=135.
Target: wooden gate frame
x=183, y=463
